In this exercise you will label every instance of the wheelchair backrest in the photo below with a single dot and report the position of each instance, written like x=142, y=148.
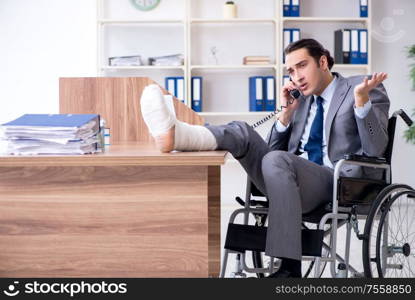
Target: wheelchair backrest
x=391, y=132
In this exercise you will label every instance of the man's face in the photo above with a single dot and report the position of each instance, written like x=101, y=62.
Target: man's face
x=304, y=71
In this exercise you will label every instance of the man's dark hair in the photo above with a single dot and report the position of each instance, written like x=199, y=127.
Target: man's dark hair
x=314, y=48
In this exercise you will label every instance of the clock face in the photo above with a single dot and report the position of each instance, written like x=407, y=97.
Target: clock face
x=145, y=5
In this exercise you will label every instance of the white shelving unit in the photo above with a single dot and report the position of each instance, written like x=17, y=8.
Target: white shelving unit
x=198, y=23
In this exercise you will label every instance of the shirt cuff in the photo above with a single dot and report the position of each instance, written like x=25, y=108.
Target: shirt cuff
x=280, y=127
x=361, y=112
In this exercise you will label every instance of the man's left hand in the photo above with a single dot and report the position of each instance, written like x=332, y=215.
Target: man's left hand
x=361, y=91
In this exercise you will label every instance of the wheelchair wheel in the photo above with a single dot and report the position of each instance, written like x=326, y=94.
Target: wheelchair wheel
x=388, y=236
x=395, y=242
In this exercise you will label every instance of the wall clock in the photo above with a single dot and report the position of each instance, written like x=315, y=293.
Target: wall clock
x=145, y=5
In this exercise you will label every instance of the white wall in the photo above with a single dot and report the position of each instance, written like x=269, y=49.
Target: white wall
x=43, y=40
x=393, y=30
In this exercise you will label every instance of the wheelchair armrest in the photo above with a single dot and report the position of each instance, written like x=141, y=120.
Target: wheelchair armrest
x=365, y=159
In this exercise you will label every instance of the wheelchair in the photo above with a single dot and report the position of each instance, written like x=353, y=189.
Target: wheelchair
x=388, y=210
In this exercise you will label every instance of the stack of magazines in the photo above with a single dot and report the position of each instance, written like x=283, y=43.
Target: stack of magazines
x=35, y=134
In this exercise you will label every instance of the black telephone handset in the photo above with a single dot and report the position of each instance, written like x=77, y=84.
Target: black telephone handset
x=295, y=94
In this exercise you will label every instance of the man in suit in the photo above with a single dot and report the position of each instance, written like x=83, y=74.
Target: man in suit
x=334, y=116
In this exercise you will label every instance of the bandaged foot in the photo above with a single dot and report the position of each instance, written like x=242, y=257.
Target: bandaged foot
x=159, y=120
x=169, y=133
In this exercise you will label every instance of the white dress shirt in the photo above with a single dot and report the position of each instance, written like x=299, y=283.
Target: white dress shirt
x=327, y=95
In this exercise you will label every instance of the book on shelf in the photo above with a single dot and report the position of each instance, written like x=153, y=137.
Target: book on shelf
x=257, y=63
x=55, y=134
x=256, y=60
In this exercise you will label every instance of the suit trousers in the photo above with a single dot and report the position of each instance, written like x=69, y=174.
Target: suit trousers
x=292, y=184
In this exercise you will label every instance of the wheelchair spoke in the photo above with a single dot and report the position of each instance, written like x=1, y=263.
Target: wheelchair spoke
x=392, y=232
x=402, y=219
x=413, y=218
x=398, y=229
x=401, y=238
x=409, y=209
x=409, y=264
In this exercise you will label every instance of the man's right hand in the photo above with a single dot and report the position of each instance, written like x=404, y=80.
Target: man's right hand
x=288, y=103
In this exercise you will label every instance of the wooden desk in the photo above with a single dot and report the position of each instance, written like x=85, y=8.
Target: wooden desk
x=130, y=212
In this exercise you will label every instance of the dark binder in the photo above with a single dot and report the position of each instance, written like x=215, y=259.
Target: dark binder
x=342, y=46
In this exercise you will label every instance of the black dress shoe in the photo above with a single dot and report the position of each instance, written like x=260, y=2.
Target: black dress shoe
x=283, y=274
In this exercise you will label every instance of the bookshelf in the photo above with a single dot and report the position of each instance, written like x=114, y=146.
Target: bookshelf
x=191, y=27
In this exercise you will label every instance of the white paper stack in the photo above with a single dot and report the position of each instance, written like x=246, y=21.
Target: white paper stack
x=169, y=60
x=35, y=134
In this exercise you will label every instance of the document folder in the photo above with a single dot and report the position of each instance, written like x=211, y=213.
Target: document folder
x=171, y=85
x=53, y=120
x=286, y=8
x=295, y=8
x=354, y=46
x=363, y=9
x=342, y=46
x=197, y=93
x=256, y=98
x=363, y=46
x=180, y=88
x=269, y=93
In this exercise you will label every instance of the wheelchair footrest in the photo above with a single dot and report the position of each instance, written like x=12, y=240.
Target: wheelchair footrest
x=312, y=241
x=253, y=238
x=245, y=237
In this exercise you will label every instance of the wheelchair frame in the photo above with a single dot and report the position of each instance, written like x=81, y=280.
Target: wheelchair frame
x=339, y=216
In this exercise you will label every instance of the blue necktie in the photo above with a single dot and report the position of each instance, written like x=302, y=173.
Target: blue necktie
x=314, y=146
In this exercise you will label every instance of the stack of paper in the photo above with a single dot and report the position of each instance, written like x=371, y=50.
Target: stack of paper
x=34, y=134
x=169, y=60
x=125, y=61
